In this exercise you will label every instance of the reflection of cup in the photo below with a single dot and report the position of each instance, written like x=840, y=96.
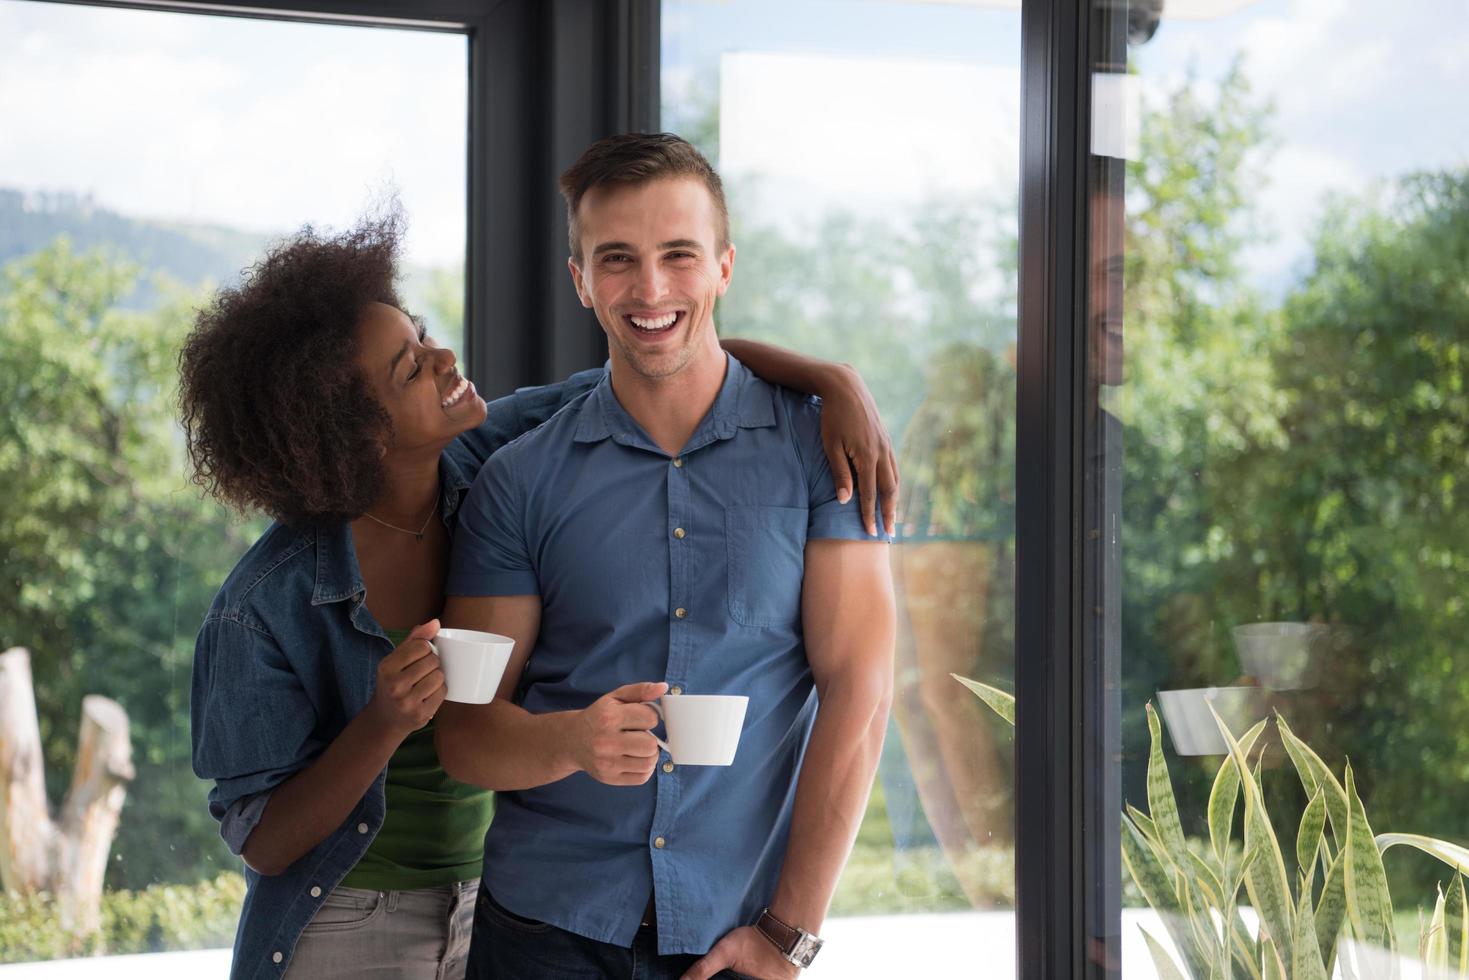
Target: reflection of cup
x=703, y=729
x=1192, y=727
x=1279, y=655
x=473, y=663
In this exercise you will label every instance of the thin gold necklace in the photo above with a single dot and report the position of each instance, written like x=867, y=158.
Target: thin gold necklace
x=416, y=534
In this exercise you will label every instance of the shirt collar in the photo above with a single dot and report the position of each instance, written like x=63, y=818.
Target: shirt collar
x=338, y=576
x=744, y=402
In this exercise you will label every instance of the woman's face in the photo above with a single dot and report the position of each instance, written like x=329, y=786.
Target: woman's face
x=417, y=382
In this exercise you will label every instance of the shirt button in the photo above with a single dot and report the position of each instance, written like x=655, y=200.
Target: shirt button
x=362, y=828
x=680, y=612
x=678, y=461
x=276, y=957
x=668, y=767
x=675, y=689
x=678, y=532
x=658, y=842
x=315, y=891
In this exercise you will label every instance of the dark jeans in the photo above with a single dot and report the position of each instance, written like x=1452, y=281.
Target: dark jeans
x=509, y=947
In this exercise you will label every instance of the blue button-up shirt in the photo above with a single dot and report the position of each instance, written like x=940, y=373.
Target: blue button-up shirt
x=650, y=567
x=287, y=655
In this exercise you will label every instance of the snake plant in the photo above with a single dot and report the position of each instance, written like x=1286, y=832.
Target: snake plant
x=1332, y=885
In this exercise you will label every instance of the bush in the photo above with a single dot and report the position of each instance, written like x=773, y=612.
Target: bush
x=161, y=917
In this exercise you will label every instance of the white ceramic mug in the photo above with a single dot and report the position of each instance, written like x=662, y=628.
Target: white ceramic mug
x=703, y=729
x=473, y=663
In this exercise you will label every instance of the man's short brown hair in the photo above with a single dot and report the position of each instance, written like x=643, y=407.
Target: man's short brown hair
x=637, y=158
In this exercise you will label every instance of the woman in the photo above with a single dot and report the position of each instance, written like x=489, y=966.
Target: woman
x=308, y=394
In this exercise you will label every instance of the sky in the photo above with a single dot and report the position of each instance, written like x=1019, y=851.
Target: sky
x=255, y=124
x=869, y=104
x=265, y=126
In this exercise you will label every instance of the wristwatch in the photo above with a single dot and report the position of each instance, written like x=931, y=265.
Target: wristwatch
x=795, y=944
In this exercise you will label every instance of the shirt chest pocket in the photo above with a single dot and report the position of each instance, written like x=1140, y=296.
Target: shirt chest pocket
x=767, y=548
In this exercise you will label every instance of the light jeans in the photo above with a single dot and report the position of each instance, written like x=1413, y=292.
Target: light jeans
x=421, y=934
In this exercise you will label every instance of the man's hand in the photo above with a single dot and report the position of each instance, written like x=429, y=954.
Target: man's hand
x=410, y=683
x=745, y=951
x=856, y=440
x=612, y=738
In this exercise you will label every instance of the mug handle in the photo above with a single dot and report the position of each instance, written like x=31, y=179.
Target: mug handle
x=659, y=709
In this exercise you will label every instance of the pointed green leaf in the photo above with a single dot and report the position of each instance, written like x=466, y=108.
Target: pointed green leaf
x=1207, y=879
x=1315, y=775
x=1225, y=794
x=1167, y=969
x=1274, y=965
x=1331, y=910
x=1456, y=926
x=1369, y=905
x=1161, y=803
x=1308, y=839
x=1431, y=947
x=1144, y=823
x=1306, y=962
x=1162, y=893
x=1265, y=881
x=1453, y=855
x=1002, y=703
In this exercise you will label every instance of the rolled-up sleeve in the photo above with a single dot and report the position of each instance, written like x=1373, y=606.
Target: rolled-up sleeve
x=251, y=723
x=827, y=516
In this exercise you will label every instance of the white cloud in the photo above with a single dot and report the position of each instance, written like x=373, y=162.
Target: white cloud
x=866, y=131
x=1313, y=56
x=247, y=123
x=1300, y=179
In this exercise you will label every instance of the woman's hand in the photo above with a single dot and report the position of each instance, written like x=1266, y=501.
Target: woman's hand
x=410, y=683
x=856, y=440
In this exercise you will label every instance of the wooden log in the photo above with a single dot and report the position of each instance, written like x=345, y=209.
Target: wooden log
x=89, y=814
x=65, y=857
x=27, y=833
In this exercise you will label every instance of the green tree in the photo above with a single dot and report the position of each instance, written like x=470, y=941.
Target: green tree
x=111, y=556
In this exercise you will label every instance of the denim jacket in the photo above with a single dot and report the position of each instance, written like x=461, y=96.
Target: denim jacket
x=287, y=655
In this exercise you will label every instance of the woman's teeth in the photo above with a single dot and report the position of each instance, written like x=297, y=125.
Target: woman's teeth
x=654, y=323
x=455, y=393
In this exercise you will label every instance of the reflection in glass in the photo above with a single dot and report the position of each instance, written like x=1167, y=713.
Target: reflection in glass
x=1293, y=529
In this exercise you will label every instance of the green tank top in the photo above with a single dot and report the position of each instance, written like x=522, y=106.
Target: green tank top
x=434, y=830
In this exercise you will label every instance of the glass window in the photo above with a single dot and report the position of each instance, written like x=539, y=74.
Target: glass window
x=146, y=157
x=1280, y=253
x=870, y=153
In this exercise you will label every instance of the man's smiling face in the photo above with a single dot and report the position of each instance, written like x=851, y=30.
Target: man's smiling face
x=651, y=266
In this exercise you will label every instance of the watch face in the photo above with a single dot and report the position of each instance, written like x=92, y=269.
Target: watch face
x=806, y=949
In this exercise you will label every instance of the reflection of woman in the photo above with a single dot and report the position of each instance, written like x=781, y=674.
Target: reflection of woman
x=953, y=570
x=308, y=394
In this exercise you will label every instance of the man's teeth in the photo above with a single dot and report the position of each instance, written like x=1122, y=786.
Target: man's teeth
x=455, y=393
x=654, y=323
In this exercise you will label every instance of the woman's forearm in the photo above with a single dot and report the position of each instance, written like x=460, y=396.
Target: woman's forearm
x=787, y=368
x=305, y=809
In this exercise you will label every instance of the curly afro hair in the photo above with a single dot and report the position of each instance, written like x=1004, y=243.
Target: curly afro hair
x=276, y=415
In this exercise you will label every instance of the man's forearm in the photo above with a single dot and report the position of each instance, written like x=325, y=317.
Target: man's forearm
x=831, y=797
x=501, y=746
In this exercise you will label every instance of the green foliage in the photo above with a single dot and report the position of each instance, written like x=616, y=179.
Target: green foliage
x=1194, y=888
x=160, y=917
x=111, y=557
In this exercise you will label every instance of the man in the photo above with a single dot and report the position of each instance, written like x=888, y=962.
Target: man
x=674, y=531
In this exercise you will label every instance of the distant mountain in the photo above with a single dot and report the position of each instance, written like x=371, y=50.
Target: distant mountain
x=191, y=254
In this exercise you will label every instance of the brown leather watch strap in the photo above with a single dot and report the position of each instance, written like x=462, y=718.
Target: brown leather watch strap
x=782, y=936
